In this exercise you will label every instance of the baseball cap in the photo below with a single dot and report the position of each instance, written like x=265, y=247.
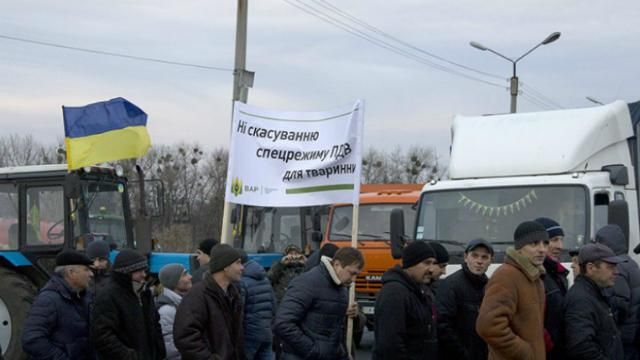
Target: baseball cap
x=473, y=244
x=595, y=251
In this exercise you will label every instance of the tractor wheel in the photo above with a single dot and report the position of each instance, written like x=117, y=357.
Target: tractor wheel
x=16, y=296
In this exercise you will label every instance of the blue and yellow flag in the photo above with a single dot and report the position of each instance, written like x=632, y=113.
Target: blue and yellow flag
x=104, y=131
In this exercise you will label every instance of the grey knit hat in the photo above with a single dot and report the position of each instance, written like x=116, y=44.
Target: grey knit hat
x=170, y=275
x=129, y=261
x=222, y=255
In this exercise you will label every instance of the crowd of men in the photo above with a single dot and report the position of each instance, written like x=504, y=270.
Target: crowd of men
x=231, y=308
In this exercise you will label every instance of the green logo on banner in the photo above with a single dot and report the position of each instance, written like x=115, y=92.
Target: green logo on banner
x=236, y=186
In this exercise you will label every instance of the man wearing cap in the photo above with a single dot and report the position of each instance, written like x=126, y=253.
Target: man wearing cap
x=511, y=317
x=555, y=287
x=202, y=255
x=624, y=296
x=57, y=326
x=310, y=321
x=589, y=327
x=175, y=282
x=208, y=323
x=405, y=326
x=98, y=252
x=125, y=320
x=459, y=297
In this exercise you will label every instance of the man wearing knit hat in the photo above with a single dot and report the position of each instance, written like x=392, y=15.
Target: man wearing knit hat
x=208, y=323
x=57, y=326
x=405, y=327
x=203, y=256
x=175, y=282
x=555, y=287
x=125, y=320
x=98, y=252
x=511, y=317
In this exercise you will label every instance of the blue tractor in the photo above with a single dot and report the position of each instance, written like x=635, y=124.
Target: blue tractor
x=46, y=208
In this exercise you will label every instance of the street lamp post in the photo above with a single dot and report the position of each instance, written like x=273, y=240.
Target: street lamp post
x=514, y=79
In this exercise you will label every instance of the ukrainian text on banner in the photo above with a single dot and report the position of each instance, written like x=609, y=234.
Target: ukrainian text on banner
x=295, y=158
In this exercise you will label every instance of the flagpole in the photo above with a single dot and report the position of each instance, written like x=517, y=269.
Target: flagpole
x=352, y=289
x=240, y=85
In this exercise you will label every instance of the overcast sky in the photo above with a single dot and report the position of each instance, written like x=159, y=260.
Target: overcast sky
x=305, y=64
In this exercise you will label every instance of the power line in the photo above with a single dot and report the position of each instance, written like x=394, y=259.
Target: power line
x=535, y=101
x=114, y=54
x=327, y=5
x=540, y=95
x=381, y=43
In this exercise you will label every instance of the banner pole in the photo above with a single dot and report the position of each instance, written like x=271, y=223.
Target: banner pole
x=352, y=289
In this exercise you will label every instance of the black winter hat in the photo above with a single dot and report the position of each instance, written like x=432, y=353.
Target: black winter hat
x=206, y=245
x=415, y=253
x=529, y=232
x=553, y=228
x=442, y=255
x=98, y=249
x=72, y=257
x=329, y=250
x=222, y=255
x=128, y=261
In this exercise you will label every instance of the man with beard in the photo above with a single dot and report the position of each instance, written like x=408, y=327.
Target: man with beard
x=125, y=320
x=404, y=321
x=511, y=318
x=459, y=297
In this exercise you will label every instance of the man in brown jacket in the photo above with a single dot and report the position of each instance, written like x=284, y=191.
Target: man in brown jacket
x=511, y=318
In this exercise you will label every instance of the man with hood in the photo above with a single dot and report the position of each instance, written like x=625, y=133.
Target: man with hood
x=405, y=326
x=175, y=282
x=57, y=326
x=511, y=317
x=590, y=331
x=125, y=320
x=208, y=322
x=259, y=310
x=624, y=296
x=459, y=297
x=556, y=285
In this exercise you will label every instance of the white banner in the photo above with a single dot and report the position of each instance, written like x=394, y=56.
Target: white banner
x=295, y=158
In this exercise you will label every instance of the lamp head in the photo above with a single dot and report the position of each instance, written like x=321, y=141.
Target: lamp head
x=551, y=38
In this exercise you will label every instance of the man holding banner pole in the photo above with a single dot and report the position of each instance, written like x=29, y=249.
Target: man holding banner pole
x=281, y=159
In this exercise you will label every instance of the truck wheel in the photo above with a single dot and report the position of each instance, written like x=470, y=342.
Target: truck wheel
x=16, y=297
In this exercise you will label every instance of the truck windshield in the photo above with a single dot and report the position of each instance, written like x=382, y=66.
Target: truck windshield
x=104, y=213
x=458, y=216
x=373, y=221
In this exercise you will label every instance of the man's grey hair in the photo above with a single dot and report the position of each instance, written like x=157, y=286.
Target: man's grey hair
x=61, y=270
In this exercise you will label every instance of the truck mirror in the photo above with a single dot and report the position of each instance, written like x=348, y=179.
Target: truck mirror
x=619, y=215
x=72, y=186
x=397, y=233
x=316, y=236
x=235, y=214
x=618, y=174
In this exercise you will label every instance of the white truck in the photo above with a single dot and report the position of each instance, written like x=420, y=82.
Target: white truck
x=578, y=167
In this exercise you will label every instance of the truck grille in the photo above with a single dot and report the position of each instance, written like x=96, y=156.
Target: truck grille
x=369, y=282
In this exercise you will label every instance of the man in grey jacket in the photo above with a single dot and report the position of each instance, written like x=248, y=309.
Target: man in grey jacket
x=176, y=282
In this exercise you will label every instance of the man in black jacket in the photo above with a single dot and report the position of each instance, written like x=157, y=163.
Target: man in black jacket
x=208, y=323
x=125, y=320
x=404, y=322
x=310, y=321
x=459, y=298
x=589, y=327
x=555, y=289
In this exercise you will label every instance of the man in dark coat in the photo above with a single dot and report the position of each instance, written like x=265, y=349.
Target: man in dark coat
x=310, y=321
x=624, y=296
x=459, y=297
x=125, y=320
x=555, y=288
x=589, y=327
x=203, y=256
x=208, y=322
x=57, y=326
x=259, y=310
x=289, y=267
x=405, y=326
x=98, y=251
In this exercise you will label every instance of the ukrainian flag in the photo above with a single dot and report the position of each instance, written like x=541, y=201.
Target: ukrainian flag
x=104, y=131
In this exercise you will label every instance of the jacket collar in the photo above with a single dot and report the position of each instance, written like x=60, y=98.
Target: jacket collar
x=326, y=261
x=172, y=296
x=477, y=280
x=592, y=286
x=554, y=267
x=531, y=271
x=58, y=284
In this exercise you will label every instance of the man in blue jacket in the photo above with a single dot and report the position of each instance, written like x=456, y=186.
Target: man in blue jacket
x=311, y=317
x=57, y=326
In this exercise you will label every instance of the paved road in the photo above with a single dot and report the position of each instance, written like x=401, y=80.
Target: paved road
x=364, y=351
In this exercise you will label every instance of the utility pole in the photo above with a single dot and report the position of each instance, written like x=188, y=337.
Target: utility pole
x=242, y=81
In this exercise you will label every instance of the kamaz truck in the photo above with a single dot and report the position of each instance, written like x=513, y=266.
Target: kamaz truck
x=578, y=167
x=45, y=209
